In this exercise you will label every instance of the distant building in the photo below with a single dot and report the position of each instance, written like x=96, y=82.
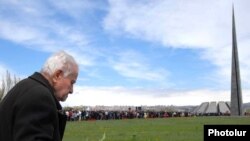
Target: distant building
x=212, y=109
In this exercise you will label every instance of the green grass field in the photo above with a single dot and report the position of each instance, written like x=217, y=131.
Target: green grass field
x=166, y=129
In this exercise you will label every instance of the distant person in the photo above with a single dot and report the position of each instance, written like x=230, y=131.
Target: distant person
x=31, y=110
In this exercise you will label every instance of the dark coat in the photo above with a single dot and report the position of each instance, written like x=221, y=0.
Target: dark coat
x=30, y=112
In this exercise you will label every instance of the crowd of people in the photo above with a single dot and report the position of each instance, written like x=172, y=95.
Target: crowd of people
x=78, y=115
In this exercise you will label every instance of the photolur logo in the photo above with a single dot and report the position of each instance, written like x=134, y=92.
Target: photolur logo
x=220, y=132
x=215, y=132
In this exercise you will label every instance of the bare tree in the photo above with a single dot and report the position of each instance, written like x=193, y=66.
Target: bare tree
x=7, y=83
x=2, y=89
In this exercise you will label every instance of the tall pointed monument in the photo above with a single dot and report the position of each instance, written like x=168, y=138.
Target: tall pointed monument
x=236, y=96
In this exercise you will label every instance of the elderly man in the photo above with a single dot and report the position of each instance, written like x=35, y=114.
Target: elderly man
x=31, y=110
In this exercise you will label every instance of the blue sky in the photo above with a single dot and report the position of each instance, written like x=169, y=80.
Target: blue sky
x=148, y=52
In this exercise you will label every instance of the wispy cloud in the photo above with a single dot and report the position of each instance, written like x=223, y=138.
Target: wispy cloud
x=92, y=96
x=173, y=23
x=202, y=25
x=134, y=65
x=37, y=26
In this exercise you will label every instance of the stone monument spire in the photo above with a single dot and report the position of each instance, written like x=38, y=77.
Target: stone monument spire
x=236, y=96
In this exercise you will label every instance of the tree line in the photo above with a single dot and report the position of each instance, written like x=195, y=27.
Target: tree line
x=7, y=82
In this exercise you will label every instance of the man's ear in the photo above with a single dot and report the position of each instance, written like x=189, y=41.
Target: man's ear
x=58, y=74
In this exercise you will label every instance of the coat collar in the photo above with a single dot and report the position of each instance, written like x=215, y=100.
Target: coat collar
x=42, y=80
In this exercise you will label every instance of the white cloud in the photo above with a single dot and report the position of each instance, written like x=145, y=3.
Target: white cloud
x=111, y=96
x=132, y=64
x=20, y=35
x=173, y=23
x=202, y=25
x=36, y=26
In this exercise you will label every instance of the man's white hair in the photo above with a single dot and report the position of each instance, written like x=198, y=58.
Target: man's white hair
x=59, y=61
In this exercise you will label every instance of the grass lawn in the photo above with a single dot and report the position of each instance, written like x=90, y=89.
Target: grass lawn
x=164, y=129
